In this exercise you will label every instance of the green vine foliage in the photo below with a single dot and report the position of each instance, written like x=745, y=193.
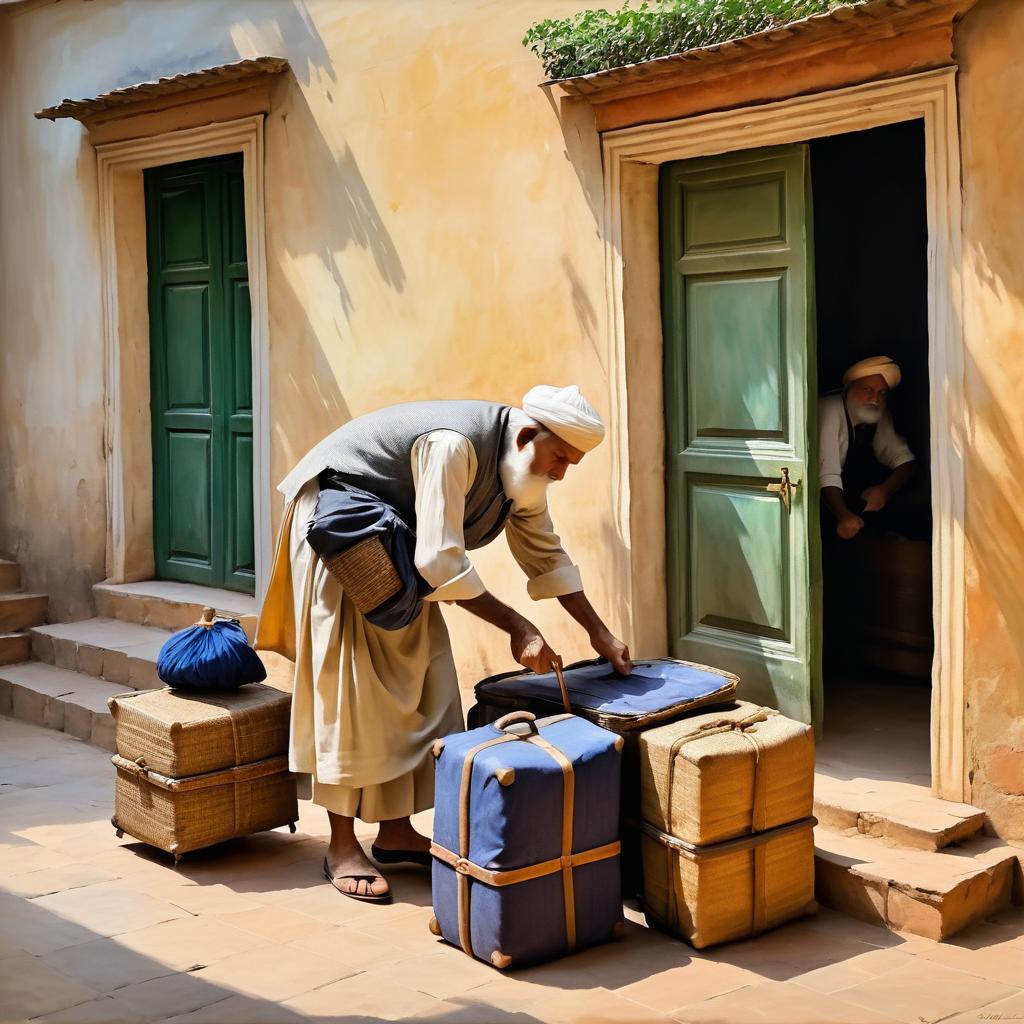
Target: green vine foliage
x=599, y=39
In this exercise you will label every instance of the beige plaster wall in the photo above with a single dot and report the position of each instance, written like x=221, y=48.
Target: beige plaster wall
x=431, y=228
x=992, y=130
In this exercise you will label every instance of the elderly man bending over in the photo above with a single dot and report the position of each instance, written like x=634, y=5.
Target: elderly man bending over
x=367, y=701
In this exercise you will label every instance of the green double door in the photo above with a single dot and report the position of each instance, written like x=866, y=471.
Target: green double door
x=737, y=301
x=201, y=373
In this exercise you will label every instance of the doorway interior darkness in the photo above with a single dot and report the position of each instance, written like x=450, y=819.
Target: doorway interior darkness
x=871, y=290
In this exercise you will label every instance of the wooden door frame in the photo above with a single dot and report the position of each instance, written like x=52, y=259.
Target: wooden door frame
x=123, y=271
x=631, y=158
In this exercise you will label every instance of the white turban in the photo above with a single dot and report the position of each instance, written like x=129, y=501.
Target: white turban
x=882, y=365
x=565, y=412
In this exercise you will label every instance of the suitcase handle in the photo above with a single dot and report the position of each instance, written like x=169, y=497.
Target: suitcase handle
x=527, y=718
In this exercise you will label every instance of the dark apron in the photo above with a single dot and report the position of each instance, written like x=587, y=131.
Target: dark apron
x=861, y=469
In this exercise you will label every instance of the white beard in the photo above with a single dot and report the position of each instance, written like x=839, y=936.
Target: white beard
x=866, y=413
x=526, y=488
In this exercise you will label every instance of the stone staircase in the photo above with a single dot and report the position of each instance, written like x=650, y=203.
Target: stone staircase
x=76, y=666
x=19, y=612
x=891, y=854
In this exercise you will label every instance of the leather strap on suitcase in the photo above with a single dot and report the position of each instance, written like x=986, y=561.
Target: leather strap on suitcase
x=523, y=726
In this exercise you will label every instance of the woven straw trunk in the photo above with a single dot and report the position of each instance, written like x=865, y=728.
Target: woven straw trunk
x=179, y=815
x=181, y=734
x=726, y=799
x=730, y=890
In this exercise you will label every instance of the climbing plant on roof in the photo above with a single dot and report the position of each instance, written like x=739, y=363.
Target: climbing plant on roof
x=595, y=40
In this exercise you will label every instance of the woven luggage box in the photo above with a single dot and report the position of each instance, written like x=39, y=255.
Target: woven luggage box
x=180, y=815
x=197, y=769
x=525, y=842
x=180, y=733
x=728, y=844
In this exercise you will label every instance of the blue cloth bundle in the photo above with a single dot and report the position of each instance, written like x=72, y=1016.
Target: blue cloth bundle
x=344, y=517
x=212, y=658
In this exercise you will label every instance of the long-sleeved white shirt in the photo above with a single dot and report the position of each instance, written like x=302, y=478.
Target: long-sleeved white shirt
x=890, y=448
x=444, y=465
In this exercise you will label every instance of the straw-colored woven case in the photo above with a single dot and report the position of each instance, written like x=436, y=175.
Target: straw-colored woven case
x=726, y=773
x=730, y=890
x=179, y=815
x=180, y=734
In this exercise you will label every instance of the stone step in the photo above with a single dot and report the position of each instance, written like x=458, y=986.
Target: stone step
x=899, y=813
x=58, y=699
x=120, y=652
x=21, y=611
x=166, y=604
x=15, y=647
x=934, y=894
x=10, y=576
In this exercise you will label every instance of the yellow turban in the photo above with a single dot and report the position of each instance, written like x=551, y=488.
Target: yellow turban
x=882, y=365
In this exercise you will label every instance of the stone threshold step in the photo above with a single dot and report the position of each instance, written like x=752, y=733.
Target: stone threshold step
x=15, y=647
x=58, y=699
x=120, y=652
x=899, y=813
x=20, y=611
x=10, y=576
x=169, y=605
x=934, y=894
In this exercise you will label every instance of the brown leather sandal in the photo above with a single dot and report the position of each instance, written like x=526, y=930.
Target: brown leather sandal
x=369, y=898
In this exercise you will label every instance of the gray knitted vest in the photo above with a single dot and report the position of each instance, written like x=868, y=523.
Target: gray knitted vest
x=373, y=452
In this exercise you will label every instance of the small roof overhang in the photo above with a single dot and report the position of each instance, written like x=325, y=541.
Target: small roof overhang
x=129, y=98
x=658, y=72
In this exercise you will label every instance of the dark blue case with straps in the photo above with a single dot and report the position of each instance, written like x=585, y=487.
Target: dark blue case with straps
x=525, y=844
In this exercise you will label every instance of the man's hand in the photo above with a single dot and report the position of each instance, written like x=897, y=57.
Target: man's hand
x=614, y=650
x=849, y=526
x=875, y=499
x=529, y=648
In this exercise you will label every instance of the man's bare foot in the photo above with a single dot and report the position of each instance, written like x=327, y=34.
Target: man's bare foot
x=399, y=834
x=348, y=860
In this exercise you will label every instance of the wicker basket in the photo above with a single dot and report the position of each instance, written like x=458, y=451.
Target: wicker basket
x=729, y=890
x=726, y=773
x=181, y=734
x=179, y=815
x=366, y=574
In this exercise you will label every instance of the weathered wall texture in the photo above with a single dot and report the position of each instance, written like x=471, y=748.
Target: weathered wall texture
x=428, y=235
x=992, y=131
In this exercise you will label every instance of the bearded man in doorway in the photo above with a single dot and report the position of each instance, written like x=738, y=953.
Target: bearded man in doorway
x=862, y=461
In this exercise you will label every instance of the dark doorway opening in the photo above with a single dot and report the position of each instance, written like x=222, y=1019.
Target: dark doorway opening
x=871, y=288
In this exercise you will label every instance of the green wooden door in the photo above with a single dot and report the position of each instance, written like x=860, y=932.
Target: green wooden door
x=744, y=580
x=200, y=360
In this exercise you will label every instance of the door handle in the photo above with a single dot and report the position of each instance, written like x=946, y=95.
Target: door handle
x=784, y=488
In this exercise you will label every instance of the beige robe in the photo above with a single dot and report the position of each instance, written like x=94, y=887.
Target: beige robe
x=367, y=702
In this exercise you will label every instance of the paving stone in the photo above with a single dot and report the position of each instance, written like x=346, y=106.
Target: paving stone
x=278, y=923
x=273, y=973
x=105, y=965
x=350, y=947
x=97, y=1011
x=31, y=988
x=446, y=973
x=44, y=881
x=924, y=992
x=247, y=1010
x=190, y=942
x=108, y=908
x=361, y=995
x=167, y=997
x=668, y=989
x=1009, y=1008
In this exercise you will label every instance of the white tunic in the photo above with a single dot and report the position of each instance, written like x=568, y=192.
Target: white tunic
x=368, y=702
x=890, y=448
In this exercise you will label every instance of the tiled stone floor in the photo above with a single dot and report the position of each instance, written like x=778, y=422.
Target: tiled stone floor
x=93, y=929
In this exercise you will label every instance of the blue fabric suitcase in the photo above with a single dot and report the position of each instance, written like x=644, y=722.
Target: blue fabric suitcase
x=525, y=844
